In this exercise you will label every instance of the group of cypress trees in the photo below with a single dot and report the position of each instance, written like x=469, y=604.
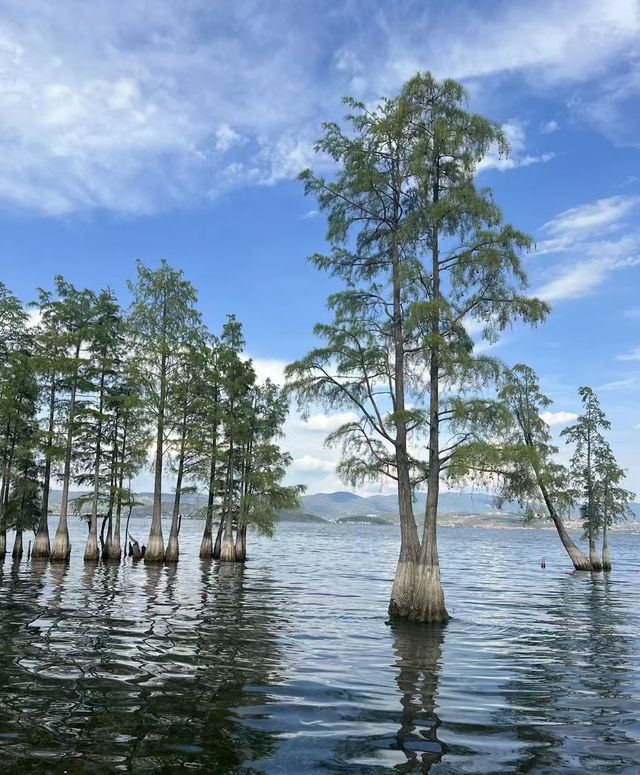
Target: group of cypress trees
x=87, y=389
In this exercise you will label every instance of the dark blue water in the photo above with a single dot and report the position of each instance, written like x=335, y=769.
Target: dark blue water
x=288, y=665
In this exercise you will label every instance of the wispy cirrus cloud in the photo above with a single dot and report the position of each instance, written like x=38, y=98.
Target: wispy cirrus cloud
x=598, y=237
x=632, y=355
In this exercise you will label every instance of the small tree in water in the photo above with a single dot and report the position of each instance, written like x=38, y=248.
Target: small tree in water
x=597, y=476
x=524, y=464
x=422, y=253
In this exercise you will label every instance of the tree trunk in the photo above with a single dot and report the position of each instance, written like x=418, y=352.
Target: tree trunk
x=606, y=559
x=42, y=544
x=218, y=544
x=241, y=544
x=578, y=559
x=61, y=548
x=228, y=547
x=3, y=538
x=593, y=552
x=405, y=576
x=428, y=602
x=173, y=547
x=91, y=552
x=17, y=546
x=155, y=546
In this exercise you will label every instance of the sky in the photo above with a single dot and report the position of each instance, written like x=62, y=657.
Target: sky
x=147, y=130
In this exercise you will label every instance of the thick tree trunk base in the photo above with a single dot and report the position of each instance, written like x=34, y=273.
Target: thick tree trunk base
x=17, y=546
x=155, y=550
x=3, y=544
x=206, y=548
x=91, y=552
x=596, y=565
x=606, y=561
x=417, y=594
x=579, y=560
x=61, y=548
x=112, y=551
x=42, y=545
x=228, y=550
x=172, y=553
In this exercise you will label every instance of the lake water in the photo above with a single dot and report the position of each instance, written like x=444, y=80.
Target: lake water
x=288, y=665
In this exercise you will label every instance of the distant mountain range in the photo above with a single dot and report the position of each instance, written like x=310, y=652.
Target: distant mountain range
x=333, y=506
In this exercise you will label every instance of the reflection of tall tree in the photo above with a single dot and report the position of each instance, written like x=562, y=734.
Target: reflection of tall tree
x=418, y=652
x=417, y=662
x=572, y=681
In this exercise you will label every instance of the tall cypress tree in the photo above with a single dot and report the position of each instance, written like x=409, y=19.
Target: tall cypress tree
x=422, y=253
x=161, y=321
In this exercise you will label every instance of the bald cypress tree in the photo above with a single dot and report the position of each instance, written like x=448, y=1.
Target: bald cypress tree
x=162, y=319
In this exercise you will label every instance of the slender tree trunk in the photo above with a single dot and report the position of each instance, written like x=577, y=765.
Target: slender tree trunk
x=593, y=552
x=3, y=535
x=155, y=546
x=173, y=547
x=114, y=550
x=241, y=544
x=206, y=547
x=228, y=547
x=42, y=544
x=428, y=602
x=606, y=558
x=4, y=494
x=61, y=548
x=578, y=559
x=218, y=543
x=91, y=552
x=404, y=580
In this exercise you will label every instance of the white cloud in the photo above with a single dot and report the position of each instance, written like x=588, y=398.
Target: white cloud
x=558, y=418
x=269, y=368
x=633, y=355
x=593, y=218
x=227, y=138
x=326, y=423
x=515, y=133
x=161, y=103
x=619, y=384
x=579, y=233
x=310, y=463
x=582, y=279
x=548, y=127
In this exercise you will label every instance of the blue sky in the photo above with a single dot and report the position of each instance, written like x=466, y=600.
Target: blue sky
x=176, y=130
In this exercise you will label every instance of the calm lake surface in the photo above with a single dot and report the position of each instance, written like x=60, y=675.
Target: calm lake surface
x=288, y=665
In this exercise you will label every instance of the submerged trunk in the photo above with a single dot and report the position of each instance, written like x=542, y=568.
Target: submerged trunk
x=606, y=559
x=173, y=547
x=241, y=544
x=155, y=546
x=593, y=552
x=218, y=544
x=61, y=548
x=577, y=557
x=206, y=545
x=91, y=552
x=228, y=547
x=207, y=550
x=17, y=546
x=42, y=544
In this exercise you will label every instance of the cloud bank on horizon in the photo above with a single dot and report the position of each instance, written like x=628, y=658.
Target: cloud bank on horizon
x=161, y=108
